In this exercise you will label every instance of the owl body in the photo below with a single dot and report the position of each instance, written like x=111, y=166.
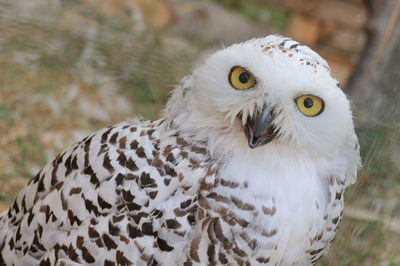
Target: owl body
x=247, y=166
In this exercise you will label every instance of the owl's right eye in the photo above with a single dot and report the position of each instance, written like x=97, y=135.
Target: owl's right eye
x=240, y=78
x=310, y=105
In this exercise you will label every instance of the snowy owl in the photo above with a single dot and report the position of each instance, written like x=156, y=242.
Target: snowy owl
x=247, y=166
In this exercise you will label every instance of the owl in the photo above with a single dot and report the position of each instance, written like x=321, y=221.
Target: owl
x=247, y=166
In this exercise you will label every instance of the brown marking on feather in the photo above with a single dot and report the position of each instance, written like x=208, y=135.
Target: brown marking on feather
x=179, y=212
x=124, y=239
x=109, y=263
x=127, y=196
x=54, y=175
x=211, y=253
x=172, y=224
x=269, y=211
x=239, y=252
x=113, y=138
x=79, y=242
x=211, y=231
x=206, y=186
x=67, y=165
x=194, y=248
x=64, y=203
x=170, y=171
x=73, y=219
x=186, y=203
x=338, y=195
x=59, y=185
x=200, y=150
x=147, y=181
x=230, y=184
x=121, y=259
x=184, y=154
x=316, y=251
x=156, y=162
x=122, y=142
x=270, y=233
x=222, y=258
x=109, y=243
x=93, y=233
x=75, y=190
x=167, y=181
x=218, y=197
x=194, y=164
x=134, y=144
x=107, y=163
x=153, y=194
x=241, y=205
x=131, y=165
x=147, y=228
x=140, y=152
x=112, y=229
x=71, y=252
x=219, y=232
x=132, y=206
x=133, y=231
x=181, y=142
x=180, y=177
x=252, y=244
x=102, y=203
x=170, y=158
x=167, y=150
x=163, y=245
x=263, y=260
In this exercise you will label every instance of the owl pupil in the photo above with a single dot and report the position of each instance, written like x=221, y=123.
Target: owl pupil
x=244, y=77
x=308, y=102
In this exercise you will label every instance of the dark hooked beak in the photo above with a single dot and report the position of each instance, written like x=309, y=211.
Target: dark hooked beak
x=260, y=130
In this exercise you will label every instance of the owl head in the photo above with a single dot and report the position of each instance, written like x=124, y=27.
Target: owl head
x=267, y=94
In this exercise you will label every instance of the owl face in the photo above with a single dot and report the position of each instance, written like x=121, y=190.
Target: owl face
x=274, y=92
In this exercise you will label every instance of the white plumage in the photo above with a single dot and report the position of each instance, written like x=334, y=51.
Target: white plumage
x=247, y=166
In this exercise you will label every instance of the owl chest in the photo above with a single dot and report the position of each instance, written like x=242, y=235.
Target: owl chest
x=283, y=210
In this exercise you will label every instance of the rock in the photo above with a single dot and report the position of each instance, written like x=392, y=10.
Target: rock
x=213, y=24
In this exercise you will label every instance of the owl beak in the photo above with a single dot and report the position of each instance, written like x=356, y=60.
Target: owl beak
x=260, y=130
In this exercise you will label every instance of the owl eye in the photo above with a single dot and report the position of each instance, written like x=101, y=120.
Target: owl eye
x=240, y=78
x=310, y=105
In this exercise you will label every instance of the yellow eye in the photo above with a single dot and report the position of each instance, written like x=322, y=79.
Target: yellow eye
x=310, y=105
x=240, y=78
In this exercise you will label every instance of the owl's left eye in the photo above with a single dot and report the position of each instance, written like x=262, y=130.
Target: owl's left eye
x=310, y=105
x=240, y=78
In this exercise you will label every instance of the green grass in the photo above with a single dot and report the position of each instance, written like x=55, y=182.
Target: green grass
x=30, y=153
x=274, y=17
x=6, y=113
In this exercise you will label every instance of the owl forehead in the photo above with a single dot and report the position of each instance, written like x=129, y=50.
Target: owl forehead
x=293, y=50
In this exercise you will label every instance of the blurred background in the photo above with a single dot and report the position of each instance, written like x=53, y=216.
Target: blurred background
x=70, y=67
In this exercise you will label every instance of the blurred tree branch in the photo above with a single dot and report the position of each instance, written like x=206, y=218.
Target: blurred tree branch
x=375, y=83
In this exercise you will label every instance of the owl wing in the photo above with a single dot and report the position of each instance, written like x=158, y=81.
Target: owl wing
x=126, y=193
